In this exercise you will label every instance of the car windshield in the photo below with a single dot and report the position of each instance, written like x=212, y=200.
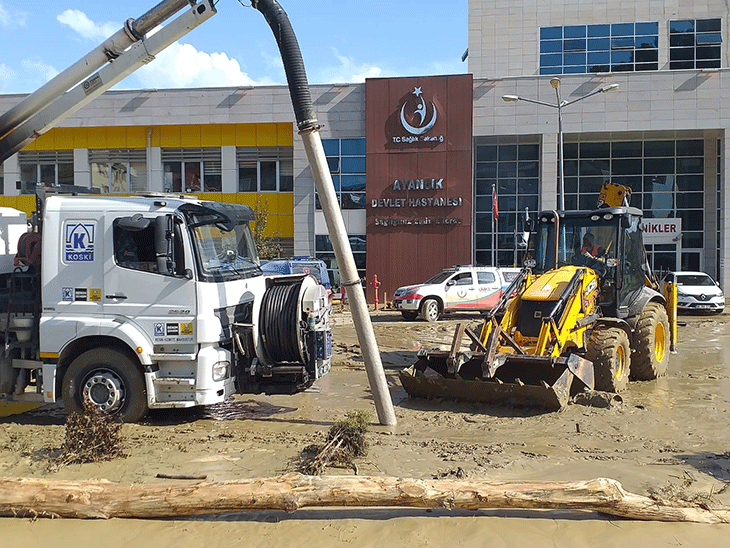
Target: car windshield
x=694, y=279
x=224, y=246
x=439, y=278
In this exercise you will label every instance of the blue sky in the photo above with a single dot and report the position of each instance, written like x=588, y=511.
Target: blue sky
x=341, y=41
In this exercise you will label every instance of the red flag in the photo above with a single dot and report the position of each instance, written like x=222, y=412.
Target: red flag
x=495, y=211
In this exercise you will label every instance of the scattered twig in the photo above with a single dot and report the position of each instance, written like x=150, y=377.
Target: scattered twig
x=182, y=476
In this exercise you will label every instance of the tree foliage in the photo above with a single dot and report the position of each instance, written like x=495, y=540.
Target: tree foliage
x=268, y=246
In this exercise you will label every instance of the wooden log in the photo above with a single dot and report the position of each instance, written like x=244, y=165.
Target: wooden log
x=104, y=499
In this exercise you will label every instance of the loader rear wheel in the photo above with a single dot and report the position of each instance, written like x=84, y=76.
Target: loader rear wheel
x=651, y=344
x=610, y=351
x=430, y=310
x=109, y=380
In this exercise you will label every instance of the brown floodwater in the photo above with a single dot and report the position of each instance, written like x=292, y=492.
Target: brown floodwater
x=668, y=436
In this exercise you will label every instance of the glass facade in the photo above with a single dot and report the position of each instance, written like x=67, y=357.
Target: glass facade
x=667, y=181
x=695, y=43
x=512, y=168
x=118, y=171
x=346, y=160
x=616, y=47
x=324, y=251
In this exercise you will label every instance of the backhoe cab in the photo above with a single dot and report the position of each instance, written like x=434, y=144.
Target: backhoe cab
x=585, y=313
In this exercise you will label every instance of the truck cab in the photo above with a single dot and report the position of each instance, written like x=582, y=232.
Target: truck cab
x=152, y=302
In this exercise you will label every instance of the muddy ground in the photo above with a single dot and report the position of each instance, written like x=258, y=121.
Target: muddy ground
x=667, y=437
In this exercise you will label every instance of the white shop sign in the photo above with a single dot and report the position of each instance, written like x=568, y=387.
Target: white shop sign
x=662, y=231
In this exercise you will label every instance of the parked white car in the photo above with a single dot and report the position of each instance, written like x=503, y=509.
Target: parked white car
x=462, y=288
x=697, y=291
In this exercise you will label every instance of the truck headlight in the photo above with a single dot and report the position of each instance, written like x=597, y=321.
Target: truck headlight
x=221, y=370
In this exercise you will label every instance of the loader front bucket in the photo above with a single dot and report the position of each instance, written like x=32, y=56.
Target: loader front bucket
x=519, y=379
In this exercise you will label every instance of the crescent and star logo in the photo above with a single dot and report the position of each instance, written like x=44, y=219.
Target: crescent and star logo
x=420, y=111
x=417, y=118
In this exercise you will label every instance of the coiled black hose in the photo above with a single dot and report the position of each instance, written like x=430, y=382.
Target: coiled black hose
x=280, y=323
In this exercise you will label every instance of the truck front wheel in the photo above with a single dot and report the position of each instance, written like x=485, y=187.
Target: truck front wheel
x=109, y=380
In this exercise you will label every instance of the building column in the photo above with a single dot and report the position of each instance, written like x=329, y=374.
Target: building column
x=154, y=168
x=548, y=171
x=11, y=175
x=710, y=238
x=229, y=170
x=725, y=215
x=304, y=215
x=82, y=169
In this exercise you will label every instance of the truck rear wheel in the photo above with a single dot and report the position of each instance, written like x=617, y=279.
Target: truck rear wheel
x=108, y=379
x=651, y=344
x=430, y=310
x=610, y=352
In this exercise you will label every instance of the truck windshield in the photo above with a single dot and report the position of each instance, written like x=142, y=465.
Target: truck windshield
x=580, y=241
x=224, y=245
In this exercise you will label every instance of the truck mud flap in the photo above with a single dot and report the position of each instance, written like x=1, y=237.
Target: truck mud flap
x=516, y=379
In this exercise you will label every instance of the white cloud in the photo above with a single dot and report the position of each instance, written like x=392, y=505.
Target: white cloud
x=12, y=19
x=347, y=71
x=79, y=22
x=7, y=77
x=38, y=69
x=181, y=65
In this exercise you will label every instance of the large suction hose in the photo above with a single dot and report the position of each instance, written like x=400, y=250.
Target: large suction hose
x=309, y=130
x=291, y=55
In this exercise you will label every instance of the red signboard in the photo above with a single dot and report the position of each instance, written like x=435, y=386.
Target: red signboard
x=419, y=177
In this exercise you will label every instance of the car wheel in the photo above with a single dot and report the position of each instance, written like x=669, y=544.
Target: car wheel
x=110, y=381
x=430, y=310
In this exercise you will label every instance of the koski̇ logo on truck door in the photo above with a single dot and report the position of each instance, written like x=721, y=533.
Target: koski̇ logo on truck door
x=79, y=242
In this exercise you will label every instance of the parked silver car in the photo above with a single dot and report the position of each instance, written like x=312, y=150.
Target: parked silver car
x=697, y=291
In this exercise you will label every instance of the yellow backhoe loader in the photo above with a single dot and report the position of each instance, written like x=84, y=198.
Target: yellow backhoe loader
x=585, y=313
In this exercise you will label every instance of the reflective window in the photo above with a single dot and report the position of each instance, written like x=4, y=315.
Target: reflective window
x=346, y=160
x=666, y=177
x=120, y=171
x=618, y=47
x=51, y=167
x=189, y=170
x=324, y=251
x=512, y=169
x=265, y=169
x=695, y=43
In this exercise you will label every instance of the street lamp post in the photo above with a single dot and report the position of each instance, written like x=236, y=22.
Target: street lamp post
x=559, y=105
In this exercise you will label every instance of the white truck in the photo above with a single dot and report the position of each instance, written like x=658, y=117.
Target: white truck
x=148, y=302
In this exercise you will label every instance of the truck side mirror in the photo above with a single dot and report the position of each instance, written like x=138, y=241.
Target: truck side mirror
x=166, y=241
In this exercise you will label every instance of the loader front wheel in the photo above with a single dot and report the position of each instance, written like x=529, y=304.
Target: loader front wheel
x=110, y=381
x=651, y=344
x=609, y=350
x=430, y=310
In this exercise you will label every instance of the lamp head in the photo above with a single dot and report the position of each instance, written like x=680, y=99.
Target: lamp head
x=555, y=82
x=510, y=98
x=610, y=87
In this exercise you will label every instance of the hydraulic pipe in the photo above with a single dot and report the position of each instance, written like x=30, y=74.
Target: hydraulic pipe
x=309, y=130
x=111, y=48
